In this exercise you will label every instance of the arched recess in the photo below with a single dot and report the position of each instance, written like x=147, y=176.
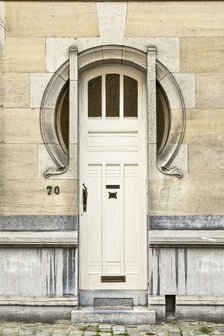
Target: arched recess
x=112, y=55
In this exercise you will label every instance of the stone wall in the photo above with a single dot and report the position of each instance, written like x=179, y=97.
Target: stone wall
x=24, y=76
x=37, y=41
x=34, y=42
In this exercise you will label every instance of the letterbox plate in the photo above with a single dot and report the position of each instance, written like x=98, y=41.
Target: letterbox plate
x=113, y=278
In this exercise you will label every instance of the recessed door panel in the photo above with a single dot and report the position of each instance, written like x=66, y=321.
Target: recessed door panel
x=113, y=221
x=95, y=224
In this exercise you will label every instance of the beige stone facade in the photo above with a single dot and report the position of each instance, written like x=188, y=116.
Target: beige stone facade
x=35, y=38
x=28, y=65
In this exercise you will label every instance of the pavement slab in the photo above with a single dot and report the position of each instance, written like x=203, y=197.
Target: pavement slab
x=119, y=330
x=65, y=328
x=105, y=327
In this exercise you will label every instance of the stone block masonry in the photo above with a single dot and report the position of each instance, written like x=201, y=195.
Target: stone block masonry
x=39, y=238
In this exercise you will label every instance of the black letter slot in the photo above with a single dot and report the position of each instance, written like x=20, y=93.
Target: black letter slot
x=112, y=186
x=112, y=194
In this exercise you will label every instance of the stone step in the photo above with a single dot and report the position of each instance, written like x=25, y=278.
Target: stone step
x=138, y=316
x=86, y=297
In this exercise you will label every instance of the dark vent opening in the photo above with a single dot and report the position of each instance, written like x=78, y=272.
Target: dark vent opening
x=170, y=306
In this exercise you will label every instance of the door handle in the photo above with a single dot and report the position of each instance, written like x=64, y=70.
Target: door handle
x=84, y=197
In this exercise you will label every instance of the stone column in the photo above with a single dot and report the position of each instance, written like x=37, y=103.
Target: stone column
x=73, y=114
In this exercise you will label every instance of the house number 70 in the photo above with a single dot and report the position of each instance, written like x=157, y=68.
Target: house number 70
x=55, y=190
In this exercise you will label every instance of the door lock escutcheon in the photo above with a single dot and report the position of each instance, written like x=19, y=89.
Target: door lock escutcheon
x=84, y=197
x=112, y=194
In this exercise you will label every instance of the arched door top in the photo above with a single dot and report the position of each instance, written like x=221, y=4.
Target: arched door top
x=105, y=55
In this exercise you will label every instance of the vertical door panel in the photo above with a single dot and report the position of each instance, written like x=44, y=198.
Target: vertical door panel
x=131, y=216
x=113, y=221
x=94, y=218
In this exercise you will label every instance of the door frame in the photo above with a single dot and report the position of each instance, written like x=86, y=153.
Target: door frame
x=141, y=137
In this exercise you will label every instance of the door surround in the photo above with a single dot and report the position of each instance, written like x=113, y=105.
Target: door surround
x=69, y=72
x=109, y=54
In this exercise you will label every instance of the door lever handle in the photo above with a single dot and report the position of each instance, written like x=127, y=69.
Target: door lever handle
x=84, y=197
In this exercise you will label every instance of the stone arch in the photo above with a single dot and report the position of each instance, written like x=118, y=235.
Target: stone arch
x=112, y=54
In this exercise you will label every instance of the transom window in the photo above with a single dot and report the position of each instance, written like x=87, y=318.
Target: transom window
x=113, y=96
x=104, y=101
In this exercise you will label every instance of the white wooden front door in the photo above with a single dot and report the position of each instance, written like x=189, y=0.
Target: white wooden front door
x=112, y=157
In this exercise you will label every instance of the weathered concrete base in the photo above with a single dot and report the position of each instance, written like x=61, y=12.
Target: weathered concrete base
x=137, y=316
x=192, y=312
x=200, y=313
x=32, y=314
